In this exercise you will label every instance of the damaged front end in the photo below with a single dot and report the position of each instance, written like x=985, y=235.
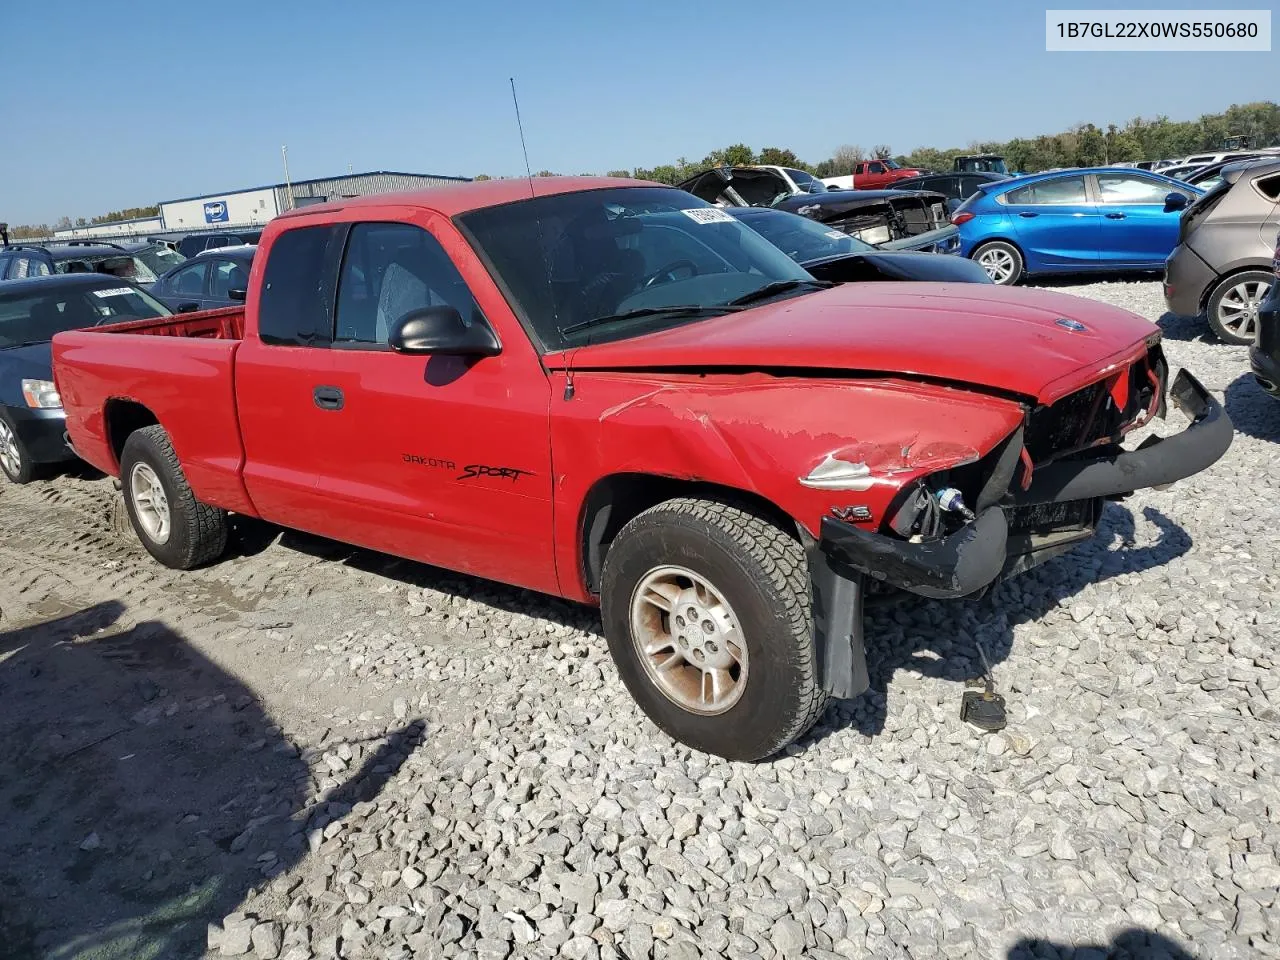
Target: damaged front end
x=1038, y=494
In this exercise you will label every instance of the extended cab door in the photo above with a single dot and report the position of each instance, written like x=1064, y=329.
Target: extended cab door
x=284, y=390
x=444, y=459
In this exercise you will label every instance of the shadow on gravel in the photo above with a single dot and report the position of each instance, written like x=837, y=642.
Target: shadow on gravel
x=1187, y=329
x=945, y=649
x=1051, y=281
x=143, y=791
x=1251, y=410
x=1133, y=944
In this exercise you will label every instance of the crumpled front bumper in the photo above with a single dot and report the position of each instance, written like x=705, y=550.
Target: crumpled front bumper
x=974, y=556
x=982, y=550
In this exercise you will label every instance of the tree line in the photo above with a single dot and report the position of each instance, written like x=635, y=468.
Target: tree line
x=1084, y=145
x=28, y=231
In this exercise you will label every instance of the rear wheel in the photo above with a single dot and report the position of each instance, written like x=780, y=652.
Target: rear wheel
x=1002, y=261
x=14, y=459
x=175, y=527
x=707, y=612
x=1232, y=310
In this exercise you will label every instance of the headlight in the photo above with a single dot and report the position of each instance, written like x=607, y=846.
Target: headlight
x=41, y=394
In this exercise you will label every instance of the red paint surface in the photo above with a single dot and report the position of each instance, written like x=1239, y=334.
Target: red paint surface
x=485, y=466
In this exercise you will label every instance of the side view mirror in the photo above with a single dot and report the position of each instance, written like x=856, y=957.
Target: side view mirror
x=1175, y=201
x=441, y=330
x=237, y=294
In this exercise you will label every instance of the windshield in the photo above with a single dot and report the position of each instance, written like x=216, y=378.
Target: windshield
x=121, y=265
x=802, y=239
x=806, y=181
x=159, y=258
x=35, y=315
x=661, y=254
x=889, y=164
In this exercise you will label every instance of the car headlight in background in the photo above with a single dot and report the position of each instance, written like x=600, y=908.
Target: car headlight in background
x=41, y=394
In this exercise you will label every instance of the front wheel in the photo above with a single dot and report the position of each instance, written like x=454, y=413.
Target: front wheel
x=175, y=527
x=1232, y=310
x=1002, y=261
x=706, y=608
x=14, y=459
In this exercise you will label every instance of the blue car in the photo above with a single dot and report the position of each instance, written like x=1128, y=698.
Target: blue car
x=1073, y=221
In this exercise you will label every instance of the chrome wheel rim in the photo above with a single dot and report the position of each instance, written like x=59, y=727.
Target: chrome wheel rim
x=998, y=263
x=10, y=455
x=1238, y=308
x=150, y=503
x=689, y=640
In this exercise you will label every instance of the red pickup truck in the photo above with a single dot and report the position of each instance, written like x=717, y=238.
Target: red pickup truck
x=878, y=174
x=613, y=392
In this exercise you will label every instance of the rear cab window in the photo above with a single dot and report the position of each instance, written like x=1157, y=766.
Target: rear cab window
x=295, y=305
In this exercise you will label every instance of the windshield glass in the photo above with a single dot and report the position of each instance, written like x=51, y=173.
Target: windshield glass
x=120, y=265
x=34, y=316
x=803, y=239
x=889, y=164
x=806, y=181
x=659, y=253
x=159, y=258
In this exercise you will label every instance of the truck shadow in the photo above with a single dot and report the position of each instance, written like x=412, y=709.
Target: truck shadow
x=144, y=791
x=1132, y=944
x=1251, y=411
x=937, y=638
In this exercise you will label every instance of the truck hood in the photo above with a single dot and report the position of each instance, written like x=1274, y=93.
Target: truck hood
x=1033, y=343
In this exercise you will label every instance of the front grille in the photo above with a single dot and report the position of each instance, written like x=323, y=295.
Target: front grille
x=1091, y=416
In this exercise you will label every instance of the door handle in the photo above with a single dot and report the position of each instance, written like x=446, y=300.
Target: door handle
x=1028, y=214
x=187, y=308
x=1115, y=216
x=327, y=398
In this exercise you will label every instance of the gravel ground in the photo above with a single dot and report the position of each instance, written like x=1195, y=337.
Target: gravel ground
x=309, y=751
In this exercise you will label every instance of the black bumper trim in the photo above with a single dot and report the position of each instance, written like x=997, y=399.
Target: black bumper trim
x=953, y=566
x=1266, y=369
x=1156, y=462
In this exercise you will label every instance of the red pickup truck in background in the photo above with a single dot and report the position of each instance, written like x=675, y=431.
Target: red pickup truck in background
x=878, y=174
x=613, y=392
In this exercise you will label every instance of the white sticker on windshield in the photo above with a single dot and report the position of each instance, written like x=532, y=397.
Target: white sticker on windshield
x=113, y=292
x=707, y=215
x=836, y=235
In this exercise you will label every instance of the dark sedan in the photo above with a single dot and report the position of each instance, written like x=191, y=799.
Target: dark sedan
x=956, y=187
x=32, y=422
x=215, y=278
x=837, y=257
x=1264, y=355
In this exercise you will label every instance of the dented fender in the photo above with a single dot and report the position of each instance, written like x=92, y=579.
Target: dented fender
x=810, y=446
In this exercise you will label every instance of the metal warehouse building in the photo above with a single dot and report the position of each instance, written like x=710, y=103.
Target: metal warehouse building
x=257, y=205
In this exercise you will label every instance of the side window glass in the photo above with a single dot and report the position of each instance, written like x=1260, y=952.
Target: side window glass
x=38, y=268
x=295, y=307
x=227, y=276
x=18, y=268
x=390, y=270
x=876, y=168
x=1124, y=188
x=189, y=281
x=1068, y=190
x=1019, y=196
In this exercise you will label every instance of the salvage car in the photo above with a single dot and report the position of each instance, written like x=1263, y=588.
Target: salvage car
x=491, y=377
x=32, y=310
x=1222, y=263
x=831, y=255
x=213, y=278
x=956, y=187
x=891, y=219
x=19, y=261
x=1073, y=221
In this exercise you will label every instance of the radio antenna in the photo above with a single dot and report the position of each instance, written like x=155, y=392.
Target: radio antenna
x=520, y=126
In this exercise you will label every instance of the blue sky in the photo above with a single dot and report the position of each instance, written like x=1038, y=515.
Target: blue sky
x=131, y=104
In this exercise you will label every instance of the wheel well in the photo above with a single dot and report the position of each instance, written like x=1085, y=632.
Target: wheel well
x=1233, y=272
x=122, y=418
x=614, y=500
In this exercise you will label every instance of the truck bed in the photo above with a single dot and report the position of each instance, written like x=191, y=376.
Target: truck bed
x=175, y=370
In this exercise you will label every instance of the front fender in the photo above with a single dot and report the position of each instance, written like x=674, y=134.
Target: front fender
x=773, y=437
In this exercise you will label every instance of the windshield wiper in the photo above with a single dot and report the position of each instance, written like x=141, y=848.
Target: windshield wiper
x=24, y=343
x=681, y=310
x=778, y=286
